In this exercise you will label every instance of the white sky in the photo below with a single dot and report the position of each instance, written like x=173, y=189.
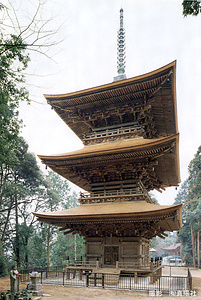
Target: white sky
x=156, y=34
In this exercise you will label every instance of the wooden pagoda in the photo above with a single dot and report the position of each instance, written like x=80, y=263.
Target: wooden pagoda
x=130, y=136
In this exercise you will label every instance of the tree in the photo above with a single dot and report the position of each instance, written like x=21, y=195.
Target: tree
x=61, y=188
x=21, y=183
x=32, y=28
x=11, y=93
x=21, y=180
x=62, y=245
x=190, y=196
x=191, y=7
x=37, y=247
x=3, y=263
x=153, y=198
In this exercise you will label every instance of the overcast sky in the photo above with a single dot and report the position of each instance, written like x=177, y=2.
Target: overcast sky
x=156, y=34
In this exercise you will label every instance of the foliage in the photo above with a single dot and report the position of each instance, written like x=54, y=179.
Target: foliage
x=158, y=244
x=20, y=180
x=60, y=188
x=153, y=198
x=3, y=263
x=190, y=196
x=191, y=7
x=37, y=248
x=23, y=188
x=13, y=149
x=13, y=61
x=64, y=247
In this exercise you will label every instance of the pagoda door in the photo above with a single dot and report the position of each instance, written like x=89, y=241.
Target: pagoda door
x=111, y=255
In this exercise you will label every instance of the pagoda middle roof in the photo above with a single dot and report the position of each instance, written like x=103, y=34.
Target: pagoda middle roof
x=135, y=144
x=138, y=150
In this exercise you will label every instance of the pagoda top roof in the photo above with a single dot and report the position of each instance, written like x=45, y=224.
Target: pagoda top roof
x=77, y=97
x=153, y=93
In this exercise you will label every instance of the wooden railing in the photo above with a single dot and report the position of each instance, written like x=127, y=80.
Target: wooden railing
x=130, y=265
x=112, y=132
x=104, y=193
x=81, y=263
x=154, y=267
x=112, y=195
x=190, y=281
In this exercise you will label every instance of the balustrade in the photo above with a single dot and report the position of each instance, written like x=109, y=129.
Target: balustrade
x=112, y=132
x=114, y=195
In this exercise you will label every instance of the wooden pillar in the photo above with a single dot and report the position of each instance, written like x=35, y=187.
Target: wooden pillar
x=151, y=271
x=160, y=273
x=80, y=275
x=97, y=263
x=68, y=270
x=103, y=280
x=68, y=262
x=140, y=252
x=135, y=275
x=86, y=250
x=94, y=279
x=198, y=249
x=117, y=264
x=157, y=266
x=68, y=274
x=181, y=248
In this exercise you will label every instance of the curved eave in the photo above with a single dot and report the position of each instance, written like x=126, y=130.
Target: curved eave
x=135, y=208
x=113, y=147
x=72, y=107
x=134, y=150
x=141, y=211
x=120, y=83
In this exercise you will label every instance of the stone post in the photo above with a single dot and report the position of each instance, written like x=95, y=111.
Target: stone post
x=35, y=286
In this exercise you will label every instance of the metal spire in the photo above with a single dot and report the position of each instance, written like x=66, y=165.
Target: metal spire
x=121, y=58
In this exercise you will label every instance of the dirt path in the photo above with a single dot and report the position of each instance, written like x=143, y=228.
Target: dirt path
x=80, y=293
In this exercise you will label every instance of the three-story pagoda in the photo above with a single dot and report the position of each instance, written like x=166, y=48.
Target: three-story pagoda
x=130, y=136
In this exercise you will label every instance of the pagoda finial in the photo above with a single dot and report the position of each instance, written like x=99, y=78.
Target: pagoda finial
x=121, y=58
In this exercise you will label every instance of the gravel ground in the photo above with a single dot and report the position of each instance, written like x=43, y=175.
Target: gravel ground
x=77, y=293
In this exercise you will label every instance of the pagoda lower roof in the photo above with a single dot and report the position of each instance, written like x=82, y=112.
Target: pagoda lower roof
x=135, y=208
x=167, y=217
x=138, y=150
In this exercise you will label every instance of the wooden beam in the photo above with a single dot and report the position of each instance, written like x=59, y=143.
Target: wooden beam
x=63, y=228
x=69, y=231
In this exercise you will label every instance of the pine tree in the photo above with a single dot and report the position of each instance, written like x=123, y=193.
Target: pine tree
x=3, y=264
